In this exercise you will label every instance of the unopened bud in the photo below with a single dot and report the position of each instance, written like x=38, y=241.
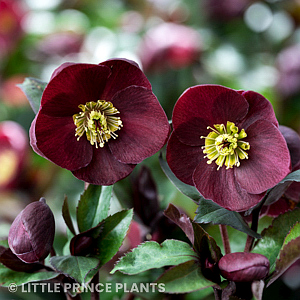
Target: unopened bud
x=244, y=266
x=31, y=234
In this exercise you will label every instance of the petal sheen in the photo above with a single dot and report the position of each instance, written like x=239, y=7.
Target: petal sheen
x=104, y=169
x=205, y=105
x=259, y=109
x=222, y=187
x=145, y=125
x=55, y=138
x=74, y=85
x=183, y=159
x=124, y=73
x=269, y=158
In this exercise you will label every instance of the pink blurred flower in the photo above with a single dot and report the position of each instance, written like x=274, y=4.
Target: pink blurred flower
x=288, y=64
x=13, y=150
x=11, y=94
x=59, y=44
x=11, y=14
x=169, y=45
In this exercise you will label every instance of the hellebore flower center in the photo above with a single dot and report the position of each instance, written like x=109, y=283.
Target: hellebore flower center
x=98, y=121
x=224, y=145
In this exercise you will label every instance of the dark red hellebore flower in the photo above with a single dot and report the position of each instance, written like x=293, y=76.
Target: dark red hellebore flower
x=99, y=121
x=31, y=234
x=244, y=267
x=227, y=144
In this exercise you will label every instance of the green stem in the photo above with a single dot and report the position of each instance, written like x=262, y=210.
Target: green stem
x=225, y=238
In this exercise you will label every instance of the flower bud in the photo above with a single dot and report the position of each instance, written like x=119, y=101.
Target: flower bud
x=244, y=267
x=81, y=245
x=31, y=234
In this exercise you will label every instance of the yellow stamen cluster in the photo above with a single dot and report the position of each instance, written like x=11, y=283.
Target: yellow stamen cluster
x=98, y=121
x=225, y=146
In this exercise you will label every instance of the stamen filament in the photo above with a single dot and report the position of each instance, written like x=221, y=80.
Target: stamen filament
x=225, y=146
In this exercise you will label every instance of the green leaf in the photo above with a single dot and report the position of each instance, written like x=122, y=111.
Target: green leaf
x=8, y=276
x=33, y=89
x=66, y=216
x=184, y=278
x=151, y=255
x=93, y=206
x=210, y=212
x=274, y=236
x=289, y=253
x=113, y=232
x=188, y=190
x=80, y=268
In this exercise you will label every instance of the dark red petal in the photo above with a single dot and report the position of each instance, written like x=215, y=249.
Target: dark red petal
x=124, y=73
x=33, y=138
x=104, y=169
x=55, y=138
x=279, y=207
x=205, y=105
x=269, y=158
x=222, y=187
x=293, y=142
x=293, y=192
x=183, y=159
x=259, y=109
x=145, y=125
x=74, y=85
x=60, y=68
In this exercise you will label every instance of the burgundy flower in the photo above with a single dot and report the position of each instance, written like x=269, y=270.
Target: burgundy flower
x=31, y=234
x=244, y=267
x=99, y=121
x=227, y=144
x=169, y=45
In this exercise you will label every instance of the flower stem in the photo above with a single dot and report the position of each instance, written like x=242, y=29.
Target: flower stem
x=225, y=239
x=254, y=226
x=95, y=295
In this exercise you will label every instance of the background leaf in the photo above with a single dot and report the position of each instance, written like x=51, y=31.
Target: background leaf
x=184, y=278
x=273, y=237
x=80, y=268
x=93, y=206
x=33, y=89
x=8, y=276
x=210, y=212
x=289, y=253
x=113, y=232
x=151, y=255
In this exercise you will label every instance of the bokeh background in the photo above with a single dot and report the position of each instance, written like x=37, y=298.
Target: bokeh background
x=241, y=44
